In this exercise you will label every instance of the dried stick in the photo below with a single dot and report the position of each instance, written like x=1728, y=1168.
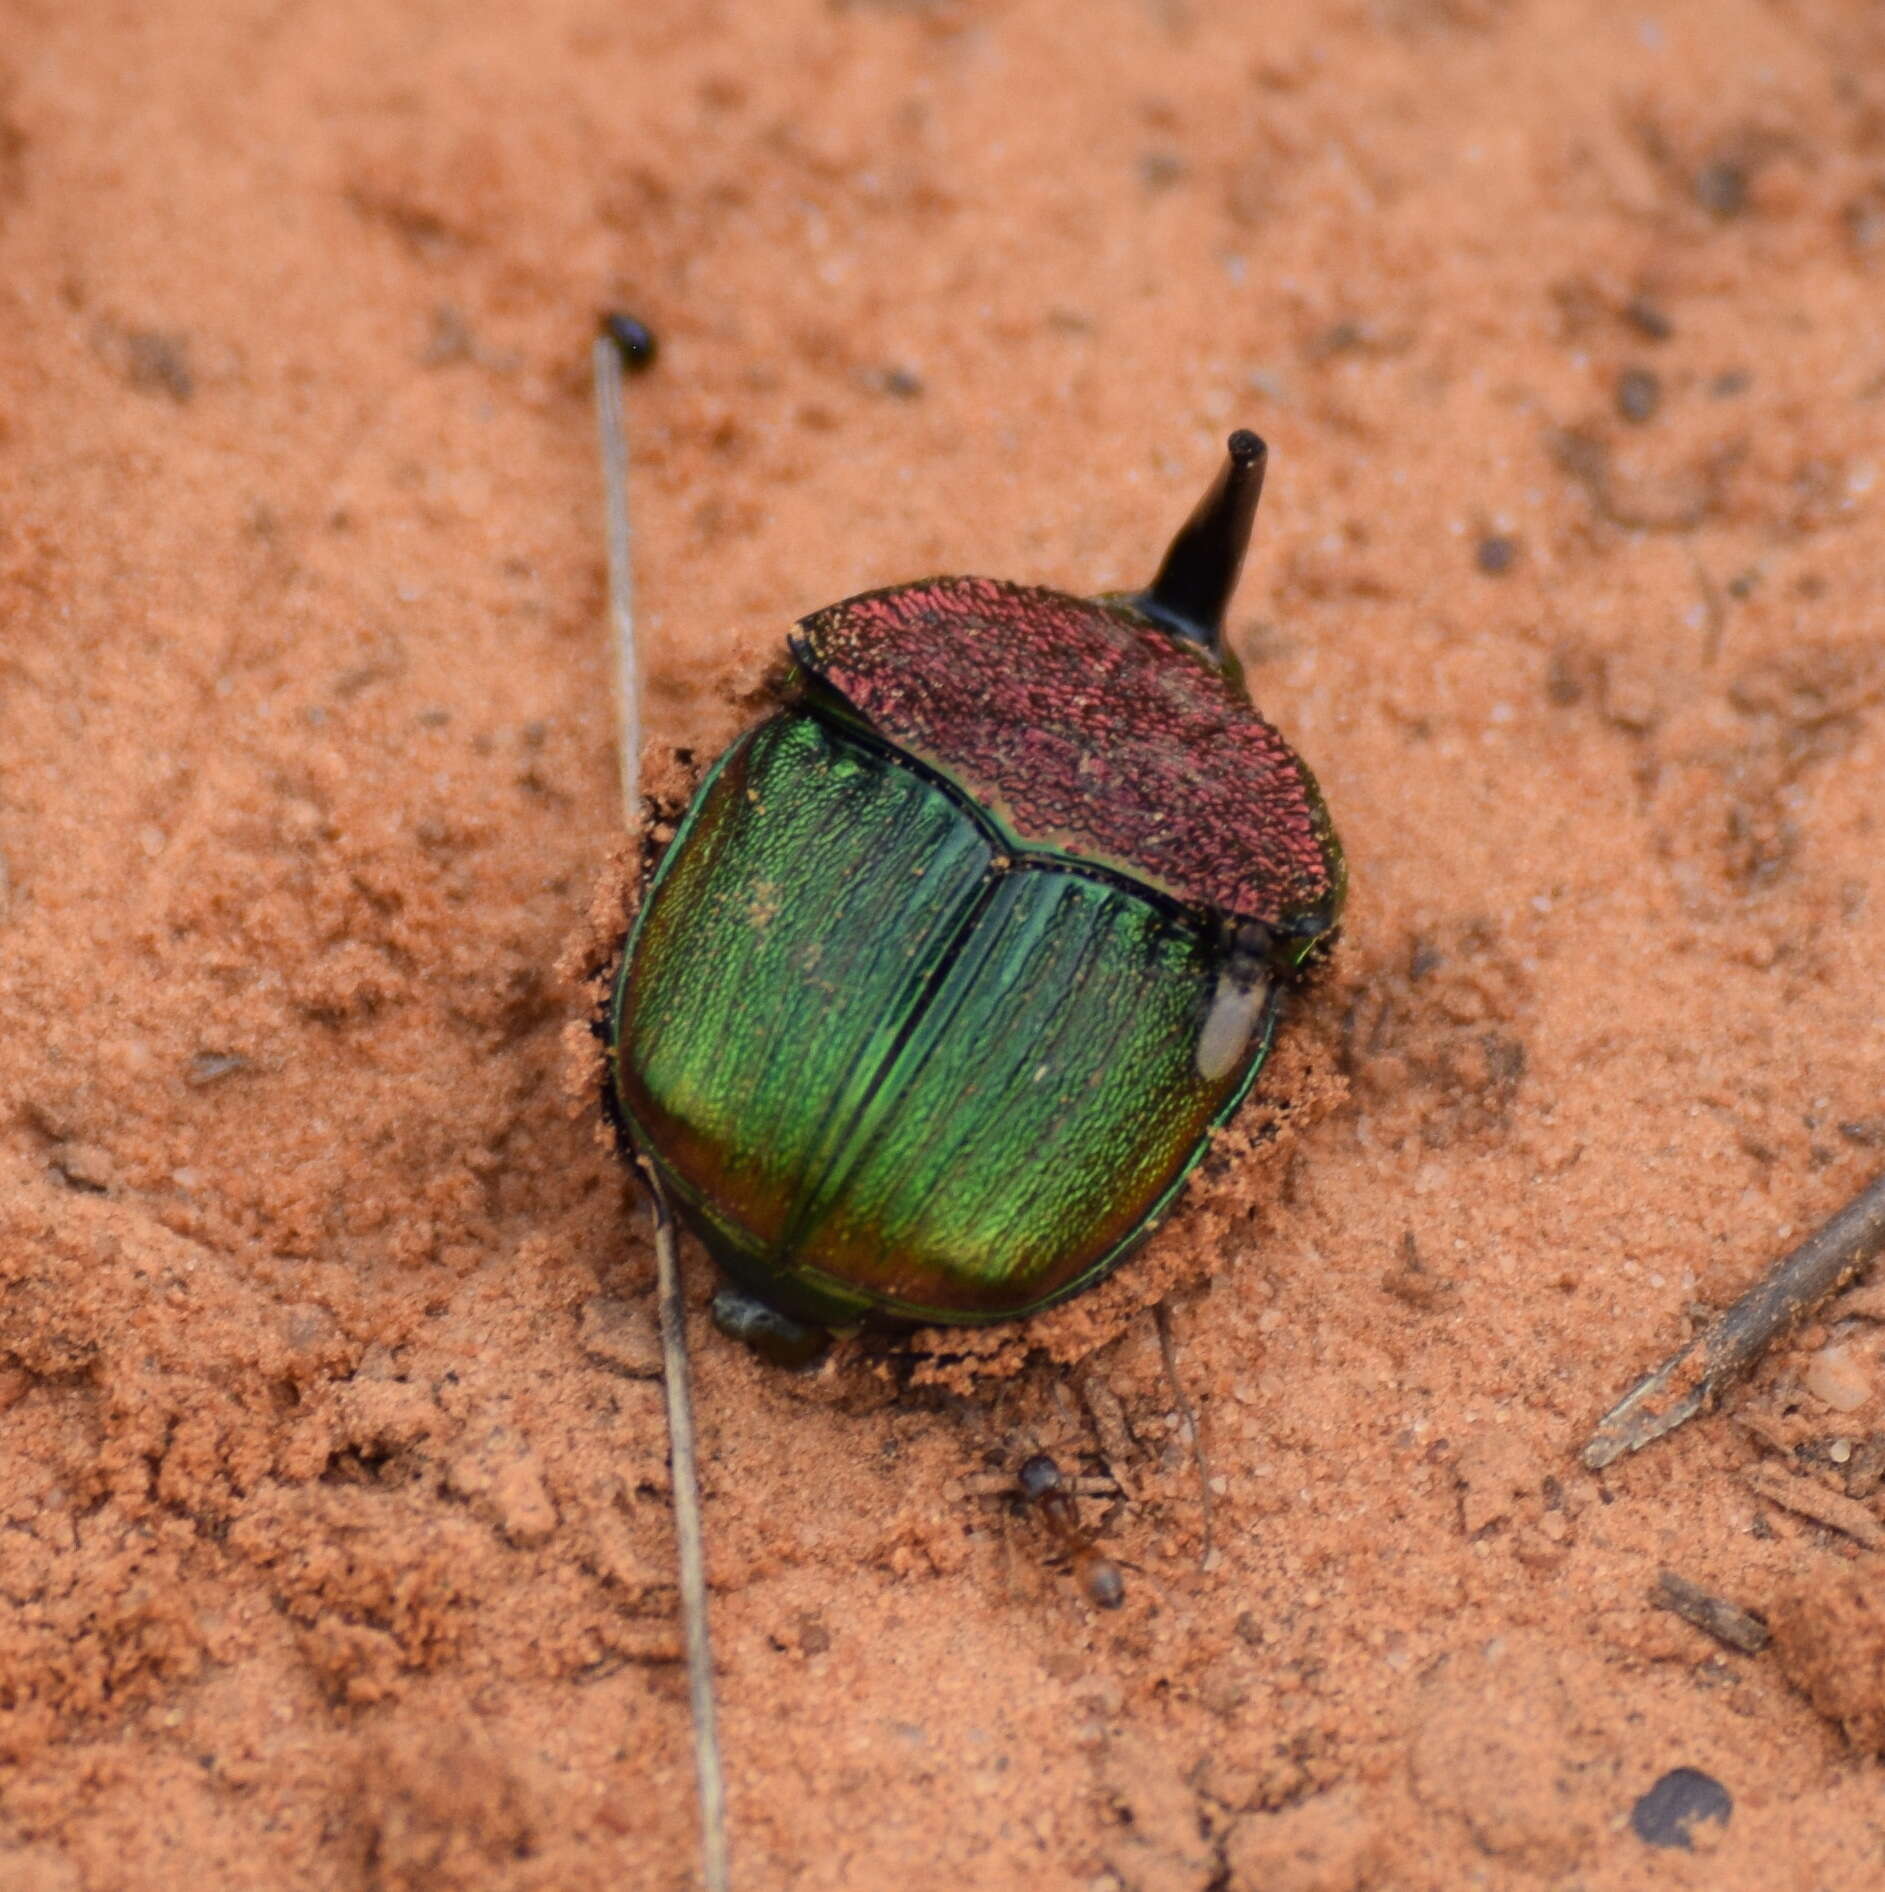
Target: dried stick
x=623, y=346
x=1790, y=1290
x=685, y=1477
x=1713, y=1615
x=1807, y=1498
x=626, y=344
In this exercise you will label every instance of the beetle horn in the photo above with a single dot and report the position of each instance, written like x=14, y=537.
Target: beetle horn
x=1194, y=585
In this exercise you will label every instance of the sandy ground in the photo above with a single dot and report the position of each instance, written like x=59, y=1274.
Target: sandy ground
x=335, y=1546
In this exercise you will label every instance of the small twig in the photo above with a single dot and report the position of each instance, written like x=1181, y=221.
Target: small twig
x=1714, y=613
x=624, y=343
x=1806, y=1499
x=1790, y=1290
x=1713, y=1615
x=621, y=347
x=685, y=1471
x=1162, y=1316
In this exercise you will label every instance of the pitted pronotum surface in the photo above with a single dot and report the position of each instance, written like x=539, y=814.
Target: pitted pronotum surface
x=1085, y=729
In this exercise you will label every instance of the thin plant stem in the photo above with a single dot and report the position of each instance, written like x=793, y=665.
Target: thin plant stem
x=683, y=1459
x=613, y=434
x=690, y=1544
x=1695, y=1376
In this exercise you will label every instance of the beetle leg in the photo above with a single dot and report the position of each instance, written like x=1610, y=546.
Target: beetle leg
x=772, y=1335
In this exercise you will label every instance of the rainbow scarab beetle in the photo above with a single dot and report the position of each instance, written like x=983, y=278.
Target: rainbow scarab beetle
x=955, y=962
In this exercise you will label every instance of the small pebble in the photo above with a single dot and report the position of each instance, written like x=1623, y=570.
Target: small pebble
x=1836, y=1378
x=1648, y=320
x=1160, y=170
x=159, y=363
x=1721, y=189
x=1496, y=555
x=210, y=1067
x=1639, y=394
x=1669, y=1813
x=84, y=1166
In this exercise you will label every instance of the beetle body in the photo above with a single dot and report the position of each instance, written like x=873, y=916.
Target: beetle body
x=955, y=962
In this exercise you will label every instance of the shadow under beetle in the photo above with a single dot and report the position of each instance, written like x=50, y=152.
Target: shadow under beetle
x=955, y=962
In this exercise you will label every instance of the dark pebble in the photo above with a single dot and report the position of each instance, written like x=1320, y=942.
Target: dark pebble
x=1639, y=394
x=1721, y=189
x=1648, y=320
x=1667, y=1815
x=1495, y=555
x=1160, y=170
x=160, y=364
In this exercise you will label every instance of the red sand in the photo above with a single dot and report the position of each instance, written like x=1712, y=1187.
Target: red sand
x=332, y=1477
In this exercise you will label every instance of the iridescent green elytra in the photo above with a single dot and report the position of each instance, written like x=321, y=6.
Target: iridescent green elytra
x=885, y=1060
x=954, y=963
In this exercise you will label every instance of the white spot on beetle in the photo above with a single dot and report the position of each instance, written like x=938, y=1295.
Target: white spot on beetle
x=1235, y=1009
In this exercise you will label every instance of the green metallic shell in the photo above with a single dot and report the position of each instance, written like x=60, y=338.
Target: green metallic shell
x=891, y=1063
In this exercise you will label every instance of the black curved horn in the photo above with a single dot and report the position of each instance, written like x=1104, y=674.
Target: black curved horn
x=1194, y=585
